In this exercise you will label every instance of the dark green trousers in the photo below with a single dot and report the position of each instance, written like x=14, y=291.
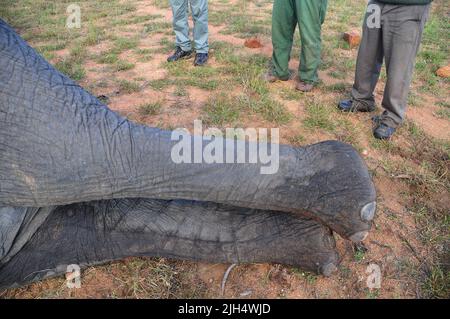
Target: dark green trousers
x=309, y=15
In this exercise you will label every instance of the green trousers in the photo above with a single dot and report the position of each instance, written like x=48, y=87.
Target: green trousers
x=309, y=15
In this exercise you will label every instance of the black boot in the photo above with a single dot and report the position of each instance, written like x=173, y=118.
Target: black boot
x=201, y=59
x=179, y=54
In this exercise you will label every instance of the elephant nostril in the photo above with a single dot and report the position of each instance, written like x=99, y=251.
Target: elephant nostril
x=368, y=211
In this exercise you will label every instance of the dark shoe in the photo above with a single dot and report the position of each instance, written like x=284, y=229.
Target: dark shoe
x=304, y=87
x=201, y=59
x=179, y=54
x=355, y=106
x=383, y=132
x=272, y=78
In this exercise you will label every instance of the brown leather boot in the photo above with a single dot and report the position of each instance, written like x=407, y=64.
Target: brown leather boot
x=304, y=87
x=271, y=78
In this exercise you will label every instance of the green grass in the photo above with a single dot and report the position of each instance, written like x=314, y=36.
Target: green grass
x=126, y=86
x=270, y=109
x=221, y=109
x=437, y=283
x=359, y=256
x=94, y=35
x=121, y=44
x=161, y=83
x=318, y=117
x=434, y=52
x=156, y=27
x=180, y=90
x=71, y=68
x=122, y=65
x=150, y=108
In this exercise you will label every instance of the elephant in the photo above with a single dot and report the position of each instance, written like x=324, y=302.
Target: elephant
x=68, y=162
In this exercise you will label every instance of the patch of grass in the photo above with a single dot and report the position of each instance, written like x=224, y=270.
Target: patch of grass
x=180, y=91
x=372, y=294
x=309, y=277
x=297, y=140
x=221, y=109
x=156, y=27
x=443, y=113
x=161, y=83
x=290, y=94
x=340, y=87
x=162, y=4
x=437, y=283
x=201, y=83
x=129, y=86
x=122, y=44
x=94, y=35
x=434, y=52
x=359, y=256
x=144, y=54
x=166, y=45
x=318, y=116
x=123, y=65
x=71, y=68
x=51, y=47
x=186, y=74
x=243, y=26
x=268, y=108
x=337, y=74
x=384, y=145
x=150, y=108
x=108, y=58
x=78, y=53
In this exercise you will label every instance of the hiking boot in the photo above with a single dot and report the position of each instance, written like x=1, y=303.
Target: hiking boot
x=304, y=87
x=382, y=131
x=272, y=78
x=201, y=59
x=179, y=54
x=351, y=105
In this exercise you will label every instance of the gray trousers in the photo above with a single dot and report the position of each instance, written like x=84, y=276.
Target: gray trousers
x=199, y=9
x=397, y=40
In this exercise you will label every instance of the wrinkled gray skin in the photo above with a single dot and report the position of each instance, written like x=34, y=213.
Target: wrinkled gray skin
x=59, y=145
x=92, y=233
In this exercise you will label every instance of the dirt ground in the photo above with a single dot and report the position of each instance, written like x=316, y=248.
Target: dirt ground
x=119, y=54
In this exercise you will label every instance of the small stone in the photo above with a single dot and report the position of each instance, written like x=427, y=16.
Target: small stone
x=353, y=38
x=444, y=72
x=253, y=43
x=246, y=293
x=365, y=152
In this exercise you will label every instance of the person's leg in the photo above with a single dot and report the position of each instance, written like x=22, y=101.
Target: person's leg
x=368, y=65
x=283, y=27
x=403, y=25
x=199, y=9
x=180, y=24
x=311, y=15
